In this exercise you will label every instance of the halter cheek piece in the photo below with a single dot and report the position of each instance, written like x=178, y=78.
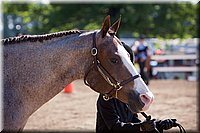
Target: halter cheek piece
x=106, y=75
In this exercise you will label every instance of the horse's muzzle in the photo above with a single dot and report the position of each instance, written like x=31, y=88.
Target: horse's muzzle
x=140, y=102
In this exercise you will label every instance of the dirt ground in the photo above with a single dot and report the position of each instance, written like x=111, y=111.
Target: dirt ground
x=76, y=111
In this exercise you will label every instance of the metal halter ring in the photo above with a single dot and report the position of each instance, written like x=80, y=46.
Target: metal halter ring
x=106, y=98
x=118, y=86
x=94, y=51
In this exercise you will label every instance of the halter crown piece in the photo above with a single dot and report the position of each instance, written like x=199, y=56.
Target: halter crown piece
x=106, y=75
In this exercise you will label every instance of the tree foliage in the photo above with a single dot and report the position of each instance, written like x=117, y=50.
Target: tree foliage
x=155, y=20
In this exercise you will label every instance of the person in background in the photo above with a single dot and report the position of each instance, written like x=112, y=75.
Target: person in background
x=142, y=57
x=114, y=116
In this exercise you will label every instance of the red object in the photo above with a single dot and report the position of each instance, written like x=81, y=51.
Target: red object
x=68, y=88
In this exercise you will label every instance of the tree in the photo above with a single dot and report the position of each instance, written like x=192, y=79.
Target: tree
x=155, y=20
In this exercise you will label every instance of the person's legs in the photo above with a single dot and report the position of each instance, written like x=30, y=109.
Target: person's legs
x=142, y=72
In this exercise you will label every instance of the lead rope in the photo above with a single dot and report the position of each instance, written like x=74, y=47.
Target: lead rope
x=182, y=130
x=149, y=118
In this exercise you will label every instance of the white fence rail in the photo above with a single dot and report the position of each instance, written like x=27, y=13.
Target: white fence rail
x=174, y=57
x=176, y=69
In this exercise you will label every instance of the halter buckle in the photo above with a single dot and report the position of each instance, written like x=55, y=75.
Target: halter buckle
x=94, y=51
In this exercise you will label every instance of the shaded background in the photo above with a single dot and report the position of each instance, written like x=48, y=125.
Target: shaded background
x=170, y=28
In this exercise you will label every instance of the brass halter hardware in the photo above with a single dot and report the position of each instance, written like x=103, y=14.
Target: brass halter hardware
x=106, y=98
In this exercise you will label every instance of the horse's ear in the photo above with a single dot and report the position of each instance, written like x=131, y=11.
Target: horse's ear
x=105, y=26
x=115, y=26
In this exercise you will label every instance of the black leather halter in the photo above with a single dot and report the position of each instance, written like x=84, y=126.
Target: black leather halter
x=106, y=75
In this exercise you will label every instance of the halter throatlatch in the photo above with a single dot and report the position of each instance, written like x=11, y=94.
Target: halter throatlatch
x=106, y=75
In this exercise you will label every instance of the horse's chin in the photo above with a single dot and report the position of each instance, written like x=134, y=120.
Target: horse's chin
x=134, y=110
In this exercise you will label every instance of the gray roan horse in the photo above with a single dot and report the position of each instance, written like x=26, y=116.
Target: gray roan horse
x=37, y=67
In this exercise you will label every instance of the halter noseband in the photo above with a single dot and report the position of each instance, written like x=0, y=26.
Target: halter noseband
x=106, y=75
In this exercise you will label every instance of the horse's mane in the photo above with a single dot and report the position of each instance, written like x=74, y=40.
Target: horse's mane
x=35, y=38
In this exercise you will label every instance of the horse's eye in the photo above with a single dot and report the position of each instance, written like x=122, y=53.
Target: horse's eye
x=114, y=60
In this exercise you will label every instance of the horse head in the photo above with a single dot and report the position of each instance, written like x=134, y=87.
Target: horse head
x=113, y=74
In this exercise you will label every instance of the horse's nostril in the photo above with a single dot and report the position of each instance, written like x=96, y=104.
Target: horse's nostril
x=145, y=99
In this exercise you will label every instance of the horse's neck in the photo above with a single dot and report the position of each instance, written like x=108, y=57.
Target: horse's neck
x=45, y=69
x=70, y=58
